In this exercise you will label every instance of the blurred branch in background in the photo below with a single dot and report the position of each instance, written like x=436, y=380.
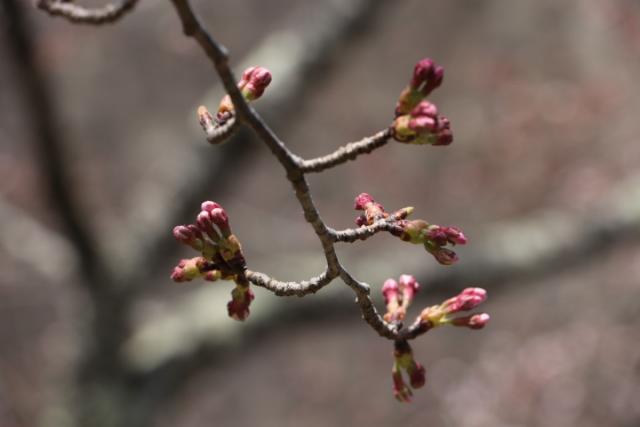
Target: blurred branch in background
x=111, y=12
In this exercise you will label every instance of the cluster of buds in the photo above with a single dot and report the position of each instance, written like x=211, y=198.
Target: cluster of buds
x=398, y=296
x=435, y=238
x=221, y=256
x=417, y=121
x=404, y=361
x=374, y=211
x=445, y=313
x=252, y=85
x=193, y=268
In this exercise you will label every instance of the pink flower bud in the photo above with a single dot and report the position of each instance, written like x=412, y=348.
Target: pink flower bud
x=208, y=206
x=361, y=220
x=390, y=290
x=190, y=235
x=409, y=287
x=205, y=223
x=361, y=201
x=475, y=321
x=427, y=76
x=188, y=269
x=238, y=307
x=254, y=81
x=219, y=217
x=468, y=299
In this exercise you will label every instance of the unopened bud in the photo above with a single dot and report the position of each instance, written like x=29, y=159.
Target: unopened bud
x=238, y=307
x=413, y=231
x=443, y=255
x=426, y=77
x=409, y=287
x=475, y=321
x=468, y=299
x=190, y=235
x=254, y=81
x=361, y=201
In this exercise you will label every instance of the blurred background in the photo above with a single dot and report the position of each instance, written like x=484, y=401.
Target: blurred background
x=101, y=154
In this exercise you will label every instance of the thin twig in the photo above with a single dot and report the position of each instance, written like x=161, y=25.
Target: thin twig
x=106, y=14
x=347, y=152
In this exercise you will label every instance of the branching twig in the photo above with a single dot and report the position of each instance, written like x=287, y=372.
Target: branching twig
x=109, y=13
x=347, y=152
x=295, y=169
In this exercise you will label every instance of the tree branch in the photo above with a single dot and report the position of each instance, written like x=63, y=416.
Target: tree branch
x=107, y=14
x=347, y=152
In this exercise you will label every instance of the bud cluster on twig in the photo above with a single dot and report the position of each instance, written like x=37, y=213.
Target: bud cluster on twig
x=416, y=121
x=221, y=256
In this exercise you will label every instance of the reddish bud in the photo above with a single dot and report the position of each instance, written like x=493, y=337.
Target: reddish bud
x=219, y=217
x=238, y=307
x=390, y=290
x=190, y=235
x=443, y=255
x=361, y=201
x=361, y=220
x=208, y=206
x=409, y=287
x=417, y=375
x=423, y=126
x=427, y=76
x=400, y=390
x=467, y=300
x=254, y=81
x=205, y=223
x=189, y=269
x=475, y=321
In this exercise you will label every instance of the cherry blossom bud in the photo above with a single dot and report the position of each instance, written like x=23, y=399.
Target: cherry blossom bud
x=238, y=307
x=206, y=224
x=427, y=76
x=474, y=321
x=423, y=126
x=409, y=287
x=189, y=269
x=220, y=218
x=361, y=201
x=414, y=231
x=417, y=375
x=392, y=297
x=254, y=81
x=372, y=211
x=443, y=255
x=468, y=299
x=403, y=360
x=190, y=235
x=361, y=220
x=390, y=290
x=400, y=390
x=208, y=206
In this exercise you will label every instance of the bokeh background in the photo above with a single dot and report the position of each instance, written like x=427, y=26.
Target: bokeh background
x=543, y=177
